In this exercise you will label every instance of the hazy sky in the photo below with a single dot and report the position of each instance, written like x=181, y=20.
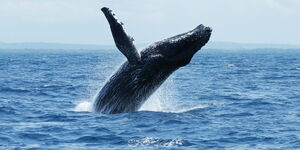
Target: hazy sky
x=81, y=22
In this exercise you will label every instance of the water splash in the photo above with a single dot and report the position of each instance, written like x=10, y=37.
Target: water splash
x=186, y=109
x=84, y=106
x=87, y=105
x=160, y=102
x=165, y=100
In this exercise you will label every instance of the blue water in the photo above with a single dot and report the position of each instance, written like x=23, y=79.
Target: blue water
x=222, y=100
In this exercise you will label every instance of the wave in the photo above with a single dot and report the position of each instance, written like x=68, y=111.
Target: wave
x=53, y=86
x=158, y=142
x=298, y=68
x=183, y=110
x=104, y=139
x=87, y=106
x=14, y=90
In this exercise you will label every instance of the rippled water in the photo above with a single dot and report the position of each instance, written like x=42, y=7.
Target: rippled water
x=222, y=100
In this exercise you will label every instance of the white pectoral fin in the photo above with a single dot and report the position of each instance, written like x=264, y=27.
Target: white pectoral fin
x=123, y=41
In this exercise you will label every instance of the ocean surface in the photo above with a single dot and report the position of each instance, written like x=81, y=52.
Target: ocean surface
x=224, y=99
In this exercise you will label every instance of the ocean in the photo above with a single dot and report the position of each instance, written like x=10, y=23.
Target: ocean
x=224, y=99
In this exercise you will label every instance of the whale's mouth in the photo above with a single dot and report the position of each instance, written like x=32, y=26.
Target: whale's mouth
x=201, y=29
x=181, y=48
x=195, y=39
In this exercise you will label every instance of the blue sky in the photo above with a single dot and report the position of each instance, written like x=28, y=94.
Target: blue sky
x=81, y=22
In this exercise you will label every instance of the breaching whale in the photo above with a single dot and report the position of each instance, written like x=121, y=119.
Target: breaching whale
x=144, y=72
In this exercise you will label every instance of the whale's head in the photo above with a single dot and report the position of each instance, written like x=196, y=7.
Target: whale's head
x=179, y=50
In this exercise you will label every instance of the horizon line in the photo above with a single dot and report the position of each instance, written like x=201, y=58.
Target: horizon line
x=112, y=44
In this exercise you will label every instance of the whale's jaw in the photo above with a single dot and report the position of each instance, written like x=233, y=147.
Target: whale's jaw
x=179, y=50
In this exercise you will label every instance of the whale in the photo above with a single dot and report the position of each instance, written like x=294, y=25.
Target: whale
x=144, y=71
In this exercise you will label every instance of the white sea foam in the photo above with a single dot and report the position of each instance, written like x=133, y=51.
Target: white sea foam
x=84, y=106
x=151, y=141
x=182, y=110
x=230, y=65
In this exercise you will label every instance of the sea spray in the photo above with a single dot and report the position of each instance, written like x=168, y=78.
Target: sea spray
x=163, y=100
x=84, y=106
x=94, y=87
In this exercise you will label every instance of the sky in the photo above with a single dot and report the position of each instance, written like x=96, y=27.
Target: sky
x=82, y=22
